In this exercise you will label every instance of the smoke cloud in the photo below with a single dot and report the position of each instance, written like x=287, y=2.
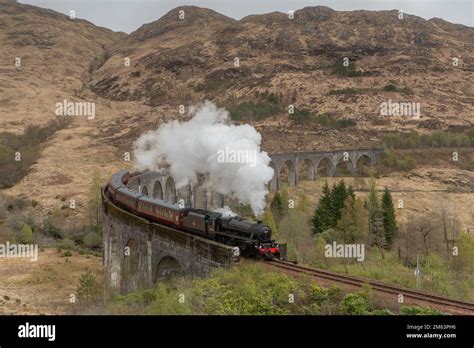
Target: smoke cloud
x=229, y=155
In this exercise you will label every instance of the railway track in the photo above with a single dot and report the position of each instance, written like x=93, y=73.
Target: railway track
x=446, y=303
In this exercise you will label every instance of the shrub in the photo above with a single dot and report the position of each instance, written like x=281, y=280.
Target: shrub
x=355, y=304
x=26, y=235
x=390, y=88
x=92, y=240
x=66, y=244
x=66, y=253
x=88, y=288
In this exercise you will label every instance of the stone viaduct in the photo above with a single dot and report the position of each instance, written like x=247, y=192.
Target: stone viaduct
x=311, y=162
x=162, y=185
x=138, y=253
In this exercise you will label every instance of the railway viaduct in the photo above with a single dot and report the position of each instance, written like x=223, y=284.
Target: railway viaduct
x=313, y=161
x=138, y=253
x=162, y=185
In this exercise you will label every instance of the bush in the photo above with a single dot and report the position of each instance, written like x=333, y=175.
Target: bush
x=415, y=310
x=26, y=235
x=92, y=240
x=355, y=304
x=88, y=288
x=67, y=244
x=66, y=253
x=390, y=88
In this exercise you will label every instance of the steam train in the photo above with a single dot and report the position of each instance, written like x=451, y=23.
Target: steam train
x=252, y=239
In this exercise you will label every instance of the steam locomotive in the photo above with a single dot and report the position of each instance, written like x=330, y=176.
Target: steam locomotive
x=252, y=239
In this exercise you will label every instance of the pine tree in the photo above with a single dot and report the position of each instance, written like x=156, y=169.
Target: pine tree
x=377, y=230
x=338, y=196
x=88, y=286
x=389, y=219
x=323, y=216
x=376, y=226
x=27, y=234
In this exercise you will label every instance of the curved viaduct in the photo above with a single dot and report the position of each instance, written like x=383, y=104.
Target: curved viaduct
x=138, y=253
x=162, y=185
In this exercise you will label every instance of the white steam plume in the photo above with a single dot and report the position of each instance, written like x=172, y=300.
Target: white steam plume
x=208, y=144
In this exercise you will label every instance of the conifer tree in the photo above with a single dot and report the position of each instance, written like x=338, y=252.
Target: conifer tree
x=376, y=226
x=389, y=219
x=323, y=216
x=338, y=195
